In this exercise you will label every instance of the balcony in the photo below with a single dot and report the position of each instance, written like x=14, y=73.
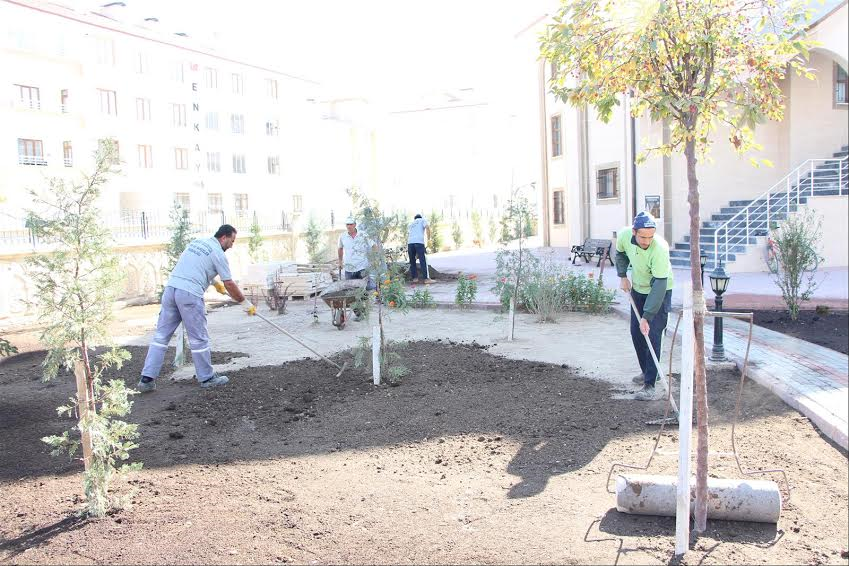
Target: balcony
x=31, y=160
x=29, y=103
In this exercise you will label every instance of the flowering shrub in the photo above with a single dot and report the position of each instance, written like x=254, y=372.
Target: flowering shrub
x=467, y=289
x=392, y=291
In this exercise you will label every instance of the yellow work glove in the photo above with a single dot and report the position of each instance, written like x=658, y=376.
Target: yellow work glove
x=219, y=286
x=249, y=307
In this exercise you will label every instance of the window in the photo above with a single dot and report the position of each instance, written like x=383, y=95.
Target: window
x=556, y=137
x=178, y=115
x=213, y=162
x=841, y=80
x=210, y=77
x=29, y=96
x=212, y=121
x=240, y=203
x=608, y=182
x=64, y=101
x=238, y=163
x=183, y=200
x=558, y=208
x=68, y=153
x=272, y=128
x=105, y=51
x=238, y=83
x=117, y=156
x=271, y=88
x=297, y=203
x=237, y=123
x=145, y=156
x=31, y=152
x=143, y=109
x=274, y=165
x=181, y=158
x=108, y=102
x=213, y=203
x=142, y=63
x=178, y=72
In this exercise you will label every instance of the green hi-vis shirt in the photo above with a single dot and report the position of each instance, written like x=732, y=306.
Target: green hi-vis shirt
x=646, y=265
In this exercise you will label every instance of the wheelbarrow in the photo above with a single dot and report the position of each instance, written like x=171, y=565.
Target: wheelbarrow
x=340, y=297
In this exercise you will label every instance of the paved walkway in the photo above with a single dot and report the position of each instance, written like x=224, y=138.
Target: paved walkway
x=810, y=378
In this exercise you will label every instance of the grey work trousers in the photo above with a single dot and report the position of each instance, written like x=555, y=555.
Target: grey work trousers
x=180, y=306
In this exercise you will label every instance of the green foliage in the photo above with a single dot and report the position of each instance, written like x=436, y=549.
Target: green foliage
x=421, y=299
x=76, y=283
x=699, y=64
x=493, y=229
x=457, y=234
x=255, y=242
x=181, y=236
x=477, y=228
x=317, y=248
x=434, y=242
x=362, y=352
x=395, y=371
x=392, y=290
x=467, y=290
x=7, y=348
x=796, y=258
x=547, y=288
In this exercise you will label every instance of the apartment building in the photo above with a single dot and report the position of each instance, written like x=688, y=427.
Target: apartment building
x=225, y=138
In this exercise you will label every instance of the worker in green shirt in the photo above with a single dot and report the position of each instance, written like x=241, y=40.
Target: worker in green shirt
x=650, y=286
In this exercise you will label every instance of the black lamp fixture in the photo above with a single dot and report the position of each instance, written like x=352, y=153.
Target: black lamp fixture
x=719, y=279
x=702, y=262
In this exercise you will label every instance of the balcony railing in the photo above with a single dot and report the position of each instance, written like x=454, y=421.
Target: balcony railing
x=31, y=103
x=31, y=160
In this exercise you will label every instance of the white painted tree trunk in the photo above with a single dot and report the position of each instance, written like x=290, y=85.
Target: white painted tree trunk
x=375, y=354
x=685, y=427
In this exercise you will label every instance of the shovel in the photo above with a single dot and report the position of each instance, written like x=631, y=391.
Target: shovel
x=660, y=374
x=287, y=333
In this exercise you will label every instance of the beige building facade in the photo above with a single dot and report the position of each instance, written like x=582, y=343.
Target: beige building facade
x=592, y=187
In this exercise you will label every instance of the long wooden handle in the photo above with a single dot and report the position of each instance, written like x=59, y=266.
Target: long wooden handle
x=287, y=333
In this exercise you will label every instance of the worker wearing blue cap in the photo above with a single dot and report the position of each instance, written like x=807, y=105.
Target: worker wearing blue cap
x=647, y=254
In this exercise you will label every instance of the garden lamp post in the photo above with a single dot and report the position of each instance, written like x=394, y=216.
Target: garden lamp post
x=719, y=284
x=702, y=262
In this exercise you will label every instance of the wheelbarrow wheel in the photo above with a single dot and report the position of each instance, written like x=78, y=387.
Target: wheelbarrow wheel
x=339, y=318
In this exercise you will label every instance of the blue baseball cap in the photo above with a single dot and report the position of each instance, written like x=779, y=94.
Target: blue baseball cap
x=644, y=220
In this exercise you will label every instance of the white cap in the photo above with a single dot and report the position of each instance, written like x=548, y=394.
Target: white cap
x=350, y=220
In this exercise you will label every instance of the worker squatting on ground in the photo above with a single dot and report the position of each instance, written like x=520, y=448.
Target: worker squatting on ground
x=650, y=287
x=182, y=301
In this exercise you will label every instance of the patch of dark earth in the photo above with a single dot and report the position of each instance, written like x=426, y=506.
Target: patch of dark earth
x=288, y=463
x=829, y=329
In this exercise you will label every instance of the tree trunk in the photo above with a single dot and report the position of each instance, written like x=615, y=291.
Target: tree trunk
x=700, y=385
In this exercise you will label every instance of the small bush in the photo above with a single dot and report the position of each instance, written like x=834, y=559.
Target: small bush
x=467, y=289
x=796, y=258
x=457, y=234
x=421, y=299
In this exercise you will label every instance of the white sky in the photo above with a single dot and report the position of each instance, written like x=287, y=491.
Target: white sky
x=388, y=50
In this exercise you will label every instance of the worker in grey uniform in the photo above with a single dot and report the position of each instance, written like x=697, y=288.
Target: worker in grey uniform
x=182, y=301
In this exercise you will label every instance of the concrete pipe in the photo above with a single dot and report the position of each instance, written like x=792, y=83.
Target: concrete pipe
x=729, y=500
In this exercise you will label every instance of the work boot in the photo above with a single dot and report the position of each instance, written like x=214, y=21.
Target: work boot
x=638, y=379
x=647, y=393
x=146, y=384
x=214, y=381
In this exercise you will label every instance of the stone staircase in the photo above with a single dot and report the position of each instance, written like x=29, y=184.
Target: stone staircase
x=736, y=228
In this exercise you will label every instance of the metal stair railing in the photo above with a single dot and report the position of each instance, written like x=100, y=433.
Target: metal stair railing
x=803, y=181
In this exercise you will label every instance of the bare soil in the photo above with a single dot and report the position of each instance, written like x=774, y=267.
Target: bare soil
x=829, y=329
x=472, y=459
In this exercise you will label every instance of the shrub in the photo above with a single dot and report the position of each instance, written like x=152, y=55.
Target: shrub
x=457, y=234
x=434, y=242
x=477, y=228
x=421, y=299
x=796, y=259
x=467, y=289
x=317, y=248
x=255, y=242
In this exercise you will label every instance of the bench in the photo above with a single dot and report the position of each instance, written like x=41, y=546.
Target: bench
x=592, y=247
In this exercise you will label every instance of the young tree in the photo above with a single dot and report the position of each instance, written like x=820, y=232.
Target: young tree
x=181, y=235
x=796, y=258
x=457, y=233
x=434, y=242
x=316, y=240
x=76, y=283
x=477, y=228
x=493, y=229
x=255, y=242
x=697, y=65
